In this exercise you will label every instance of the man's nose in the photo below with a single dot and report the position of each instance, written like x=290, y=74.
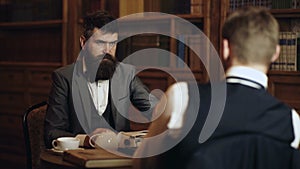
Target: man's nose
x=107, y=48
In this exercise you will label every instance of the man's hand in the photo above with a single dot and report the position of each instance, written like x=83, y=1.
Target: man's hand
x=84, y=140
x=100, y=130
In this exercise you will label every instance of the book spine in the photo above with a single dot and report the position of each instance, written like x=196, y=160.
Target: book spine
x=196, y=6
x=294, y=51
x=196, y=44
x=181, y=51
x=298, y=52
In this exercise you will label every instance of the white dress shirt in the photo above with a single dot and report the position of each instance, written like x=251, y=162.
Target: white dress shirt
x=99, y=92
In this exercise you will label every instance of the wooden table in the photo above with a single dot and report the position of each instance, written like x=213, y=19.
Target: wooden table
x=52, y=160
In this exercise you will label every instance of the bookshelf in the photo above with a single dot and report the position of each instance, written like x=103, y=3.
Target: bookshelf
x=26, y=23
x=196, y=12
x=34, y=39
x=284, y=81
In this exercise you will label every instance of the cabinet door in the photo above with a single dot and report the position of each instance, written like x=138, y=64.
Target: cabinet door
x=285, y=86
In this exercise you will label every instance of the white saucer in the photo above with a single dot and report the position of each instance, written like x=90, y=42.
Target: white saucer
x=56, y=150
x=61, y=151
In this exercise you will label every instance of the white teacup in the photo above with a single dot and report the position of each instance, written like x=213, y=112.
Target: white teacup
x=105, y=140
x=66, y=143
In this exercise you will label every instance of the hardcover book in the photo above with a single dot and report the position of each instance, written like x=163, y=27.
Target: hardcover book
x=91, y=158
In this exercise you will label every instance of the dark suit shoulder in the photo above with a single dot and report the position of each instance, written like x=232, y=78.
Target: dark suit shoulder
x=124, y=71
x=125, y=67
x=66, y=71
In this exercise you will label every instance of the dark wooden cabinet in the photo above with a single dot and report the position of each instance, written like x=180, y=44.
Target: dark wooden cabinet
x=286, y=87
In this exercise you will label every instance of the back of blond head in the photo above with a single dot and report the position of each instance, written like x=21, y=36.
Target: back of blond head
x=252, y=34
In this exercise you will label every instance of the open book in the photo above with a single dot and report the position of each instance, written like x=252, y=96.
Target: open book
x=135, y=133
x=91, y=158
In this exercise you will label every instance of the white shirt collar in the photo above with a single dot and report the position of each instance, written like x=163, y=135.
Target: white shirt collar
x=251, y=74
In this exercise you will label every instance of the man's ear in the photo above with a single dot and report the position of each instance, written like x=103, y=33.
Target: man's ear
x=82, y=40
x=226, y=50
x=276, y=54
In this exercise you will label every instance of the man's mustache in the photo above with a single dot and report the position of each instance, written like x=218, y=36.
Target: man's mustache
x=109, y=57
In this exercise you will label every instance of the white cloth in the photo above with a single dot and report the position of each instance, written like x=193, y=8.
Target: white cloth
x=178, y=98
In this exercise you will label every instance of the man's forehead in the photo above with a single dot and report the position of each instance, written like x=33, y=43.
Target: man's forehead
x=98, y=33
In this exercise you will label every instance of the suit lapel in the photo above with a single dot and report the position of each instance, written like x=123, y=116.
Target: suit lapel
x=80, y=86
x=119, y=90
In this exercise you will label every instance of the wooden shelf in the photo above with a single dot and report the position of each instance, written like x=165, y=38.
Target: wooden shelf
x=288, y=73
x=40, y=64
x=286, y=13
x=191, y=16
x=31, y=24
x=282, y=13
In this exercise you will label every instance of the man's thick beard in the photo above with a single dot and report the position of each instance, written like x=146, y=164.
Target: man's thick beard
x=106, y=68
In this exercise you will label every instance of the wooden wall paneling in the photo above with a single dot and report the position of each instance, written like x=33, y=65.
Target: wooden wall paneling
x=12, y=132
x=12, y=101
x=40, y=81
x=12, y=78
x=40, y=77
x=37, y=96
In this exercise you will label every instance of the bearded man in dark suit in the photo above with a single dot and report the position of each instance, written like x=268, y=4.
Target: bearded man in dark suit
x=95, y=93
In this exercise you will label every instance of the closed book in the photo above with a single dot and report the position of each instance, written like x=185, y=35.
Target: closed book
x=91, y=158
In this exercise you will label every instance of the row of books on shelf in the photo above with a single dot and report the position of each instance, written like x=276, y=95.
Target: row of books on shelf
x=188, y=51
x=271, y=4
x=289, y=58
x=155, y=51
x=290, y=52
x=196, y=7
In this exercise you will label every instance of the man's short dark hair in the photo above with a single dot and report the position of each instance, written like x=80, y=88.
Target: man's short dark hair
x=99, y=19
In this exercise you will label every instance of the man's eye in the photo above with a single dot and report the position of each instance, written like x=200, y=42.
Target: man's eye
x=103, y=43
x=100, y=42
x=112, y=43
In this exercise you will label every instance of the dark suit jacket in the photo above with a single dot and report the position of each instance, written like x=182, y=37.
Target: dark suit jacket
x=248, y=112
x=244, y=151
x=70, y=104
